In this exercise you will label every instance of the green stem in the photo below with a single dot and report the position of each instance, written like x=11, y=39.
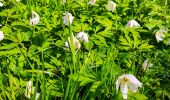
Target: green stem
x=132, y=3
x=166, y=2
x=44, y=89
x=26, y=58
x=72, y=47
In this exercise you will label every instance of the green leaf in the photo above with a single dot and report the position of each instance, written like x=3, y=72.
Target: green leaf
x=10, y=52
x=9, y=46
x=84, y=80
x=94, y=86
x=99, y=40
x=145, y=46
x=59, y=43
x=136, y=96
x=104, y=21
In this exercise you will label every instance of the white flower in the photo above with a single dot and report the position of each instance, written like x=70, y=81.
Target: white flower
x=35, y=19
x=83, y=36
x=18, y=0
x=1, y=35
x=146, y=65
x=77, y=44
x=1, y=4
x=92, y=2
x=37, y=96
x=29, y=89
x=68, y=18
x=64, y=1
x=127, y=81
x=132, y=23
x=111, y=6
x=160, y=35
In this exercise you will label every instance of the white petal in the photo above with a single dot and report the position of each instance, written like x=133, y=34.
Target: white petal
x=134, y=80
x=145, y=64
x=86, y=38
x=68, y=18
x=92, y=2
x=37, y=96
x=1, y=35
x=64, y=1
x=1, y=4
x=66, y=44
x=29, y=89
x=118, y=82
x=82, y=36
x=150, y=65
x=124, y=90
x=111, y=6
x=18, y=0
x=132, y=23
x=132, y=87
x=35, y=19
x=160, y=35
x=75, y=41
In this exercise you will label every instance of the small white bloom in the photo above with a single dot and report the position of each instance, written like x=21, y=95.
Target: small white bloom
x=127, y=81
x=132, y=23
x=146, y=65
x=83, y=36
x=0, y=25
x=1, y=35
x=92, y=2
x=37, y=96
x=68, y=18
x=18, y=0
x=35, y=19
x=1, y=4
x=77, y=44
x=64, y=1
x=29, y=89
x=160, y=35
x=111, y=6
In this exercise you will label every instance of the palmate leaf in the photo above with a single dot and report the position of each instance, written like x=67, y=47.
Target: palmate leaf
x=131, y=96
x=98, y=40
x=131, y=40
x=9, y=52
x=163, y=93
x=126, y=42
x=151, y=23
x=104, y=21
x=85, y=77
x=94, y=86
x=8, y=46
x=145, y=46
x=166, y=93
x=6, y=29
x=140, y=97
x=106, y=33
x=84, y=80
x=136, y=96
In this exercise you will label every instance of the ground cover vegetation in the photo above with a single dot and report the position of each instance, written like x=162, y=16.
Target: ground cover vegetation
x=84, y=49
